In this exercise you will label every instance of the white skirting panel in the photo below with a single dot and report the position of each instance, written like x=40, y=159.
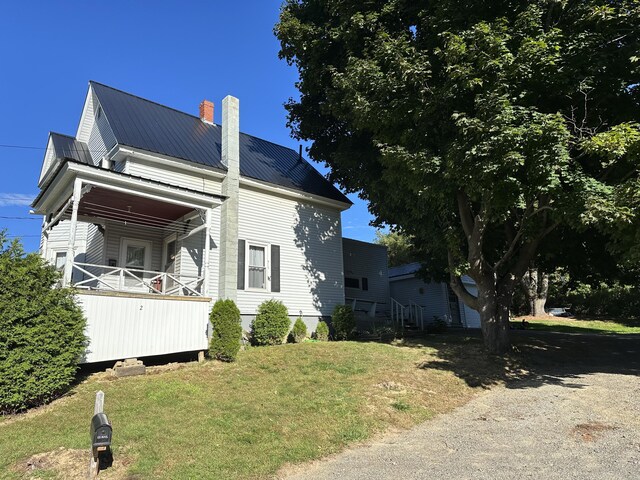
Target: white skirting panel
x=121, y=326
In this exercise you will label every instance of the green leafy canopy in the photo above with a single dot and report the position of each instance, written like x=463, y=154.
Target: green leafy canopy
x=476, y=128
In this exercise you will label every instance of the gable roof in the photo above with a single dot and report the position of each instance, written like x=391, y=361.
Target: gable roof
x=140, y=123
x=65, y=146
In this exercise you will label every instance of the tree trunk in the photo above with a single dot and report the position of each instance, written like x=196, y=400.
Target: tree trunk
x=538, y=307
x=536, y=288
x=494, y=319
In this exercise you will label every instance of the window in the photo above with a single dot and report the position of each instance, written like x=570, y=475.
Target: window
x=61, y=259
x=99, y=112
x=135, y=254
x=365, y=284
x=351, y=282
x=135, y=257
x=257, y=267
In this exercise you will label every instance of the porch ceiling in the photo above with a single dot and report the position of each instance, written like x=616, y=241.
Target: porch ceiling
x=113, y=205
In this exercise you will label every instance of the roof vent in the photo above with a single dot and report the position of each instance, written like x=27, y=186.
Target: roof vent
x=206, y=111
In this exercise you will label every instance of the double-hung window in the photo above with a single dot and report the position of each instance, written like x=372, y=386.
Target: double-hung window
x=257, y=267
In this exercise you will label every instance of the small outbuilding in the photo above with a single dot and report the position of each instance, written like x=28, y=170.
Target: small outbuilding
x=435, y=299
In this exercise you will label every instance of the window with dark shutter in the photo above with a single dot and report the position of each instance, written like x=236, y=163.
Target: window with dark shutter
x=275, y=268
x=241, y=254
x=365, y=283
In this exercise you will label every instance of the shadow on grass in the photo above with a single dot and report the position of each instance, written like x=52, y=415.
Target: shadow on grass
x=557, y=327
x=538, y=358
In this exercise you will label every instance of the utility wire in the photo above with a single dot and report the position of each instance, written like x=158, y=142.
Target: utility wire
x=30, y=147
x=21, y=218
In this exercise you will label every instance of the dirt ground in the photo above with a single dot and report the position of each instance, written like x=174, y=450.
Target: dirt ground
x=575, y=414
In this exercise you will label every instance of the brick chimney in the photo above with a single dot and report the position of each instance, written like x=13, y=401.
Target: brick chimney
x=206, y=112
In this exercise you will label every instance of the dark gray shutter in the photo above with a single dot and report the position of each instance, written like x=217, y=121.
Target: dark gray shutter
x=275, y=268
x=240, y=264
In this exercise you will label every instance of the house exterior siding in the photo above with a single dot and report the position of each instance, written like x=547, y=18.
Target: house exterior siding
x=101, y=139
x=367, y=261
x=431, y=296
x=121, y=327
x=173, y=175
x=309, y=236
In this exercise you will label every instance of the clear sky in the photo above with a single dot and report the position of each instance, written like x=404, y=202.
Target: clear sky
x=175, y=53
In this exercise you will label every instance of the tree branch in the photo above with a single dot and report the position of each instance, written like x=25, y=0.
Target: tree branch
x=458, y=287
x=466, y=216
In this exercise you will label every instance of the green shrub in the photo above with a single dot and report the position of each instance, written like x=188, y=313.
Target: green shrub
x=322, y=331
x=299, y=331
x=343, y=321
x=615, y=300
x=41, y=330
x=227, y=331
x=271, y=325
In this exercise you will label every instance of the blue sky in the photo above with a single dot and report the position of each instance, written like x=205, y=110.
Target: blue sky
x=163, y=51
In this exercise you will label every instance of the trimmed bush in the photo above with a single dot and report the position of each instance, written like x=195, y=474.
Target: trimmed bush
x=41, y=330
x=227, y=331
x=343, y=321
x=271, y=325
x=299, y=331
x=322, y=331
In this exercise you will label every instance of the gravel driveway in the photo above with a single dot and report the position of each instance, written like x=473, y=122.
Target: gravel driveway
x=578, y=421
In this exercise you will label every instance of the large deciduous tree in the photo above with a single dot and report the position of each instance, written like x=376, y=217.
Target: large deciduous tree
x=475, y=127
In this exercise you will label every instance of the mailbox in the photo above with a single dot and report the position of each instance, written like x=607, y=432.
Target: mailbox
x=100, y=433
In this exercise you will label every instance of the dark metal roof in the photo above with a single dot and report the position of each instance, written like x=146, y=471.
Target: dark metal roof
x=140, y=123
x=65, y=146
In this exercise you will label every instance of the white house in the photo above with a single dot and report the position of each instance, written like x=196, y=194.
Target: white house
x=431, y=300
x=153, y=214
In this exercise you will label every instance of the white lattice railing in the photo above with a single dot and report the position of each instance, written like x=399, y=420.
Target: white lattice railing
x=118, y=279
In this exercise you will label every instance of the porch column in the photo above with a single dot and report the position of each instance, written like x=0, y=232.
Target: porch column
x=68, y=266
x=207, y=253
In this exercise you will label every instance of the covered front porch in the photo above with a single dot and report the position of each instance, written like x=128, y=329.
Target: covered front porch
x=142, y=236
x=144, y=273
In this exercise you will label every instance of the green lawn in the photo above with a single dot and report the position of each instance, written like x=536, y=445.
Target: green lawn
x=572, y=325
x=274, y=406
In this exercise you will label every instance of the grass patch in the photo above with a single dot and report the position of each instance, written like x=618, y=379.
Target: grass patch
x=573, y=325
x=245, y=420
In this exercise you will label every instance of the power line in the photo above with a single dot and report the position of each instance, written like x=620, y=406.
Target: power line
x=31, y=147
x=22, y=146
x=21, y=218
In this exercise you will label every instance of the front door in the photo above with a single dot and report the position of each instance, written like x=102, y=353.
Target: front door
x=135, y=258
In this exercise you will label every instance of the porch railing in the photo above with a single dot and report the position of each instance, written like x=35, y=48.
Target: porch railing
x=119, y=279
x=416, y=314
x=397, y=313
